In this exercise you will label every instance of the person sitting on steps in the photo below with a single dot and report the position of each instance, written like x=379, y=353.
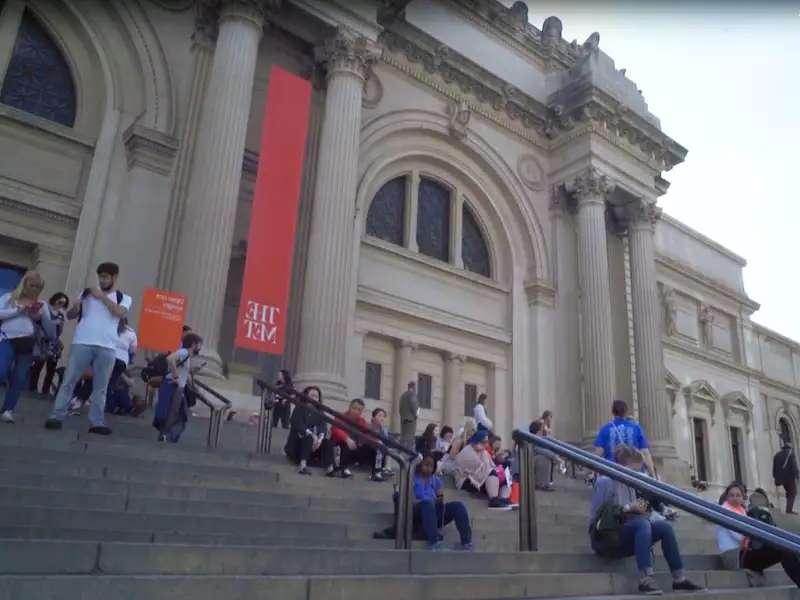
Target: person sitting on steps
x=377, y=457
x=349, y=449
x=432, y=510
x=307, y=440
x=620, y=527
x=476, y=472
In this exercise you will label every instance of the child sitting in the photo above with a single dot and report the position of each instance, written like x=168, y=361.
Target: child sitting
x=432, y=510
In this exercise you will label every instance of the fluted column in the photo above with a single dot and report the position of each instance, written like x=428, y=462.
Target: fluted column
x=453, y=390
x=654, y=410
x=326, y=298
x=590, y=190
x=403, y=374
x=204, y=249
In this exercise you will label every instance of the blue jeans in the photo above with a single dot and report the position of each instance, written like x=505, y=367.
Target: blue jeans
x=639, y=535
x=82, y=357
x=14, y=368
x=432, y=513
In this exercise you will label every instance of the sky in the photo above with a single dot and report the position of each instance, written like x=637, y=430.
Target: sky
x=724, y=79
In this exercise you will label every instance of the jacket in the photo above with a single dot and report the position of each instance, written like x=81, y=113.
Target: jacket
x=409, y=406
x=784, y=466
x=340, y=435
x=472, y=465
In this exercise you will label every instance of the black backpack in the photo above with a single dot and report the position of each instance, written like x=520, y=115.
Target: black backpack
x=156, y=367
x=605, y=530
x=763, y=514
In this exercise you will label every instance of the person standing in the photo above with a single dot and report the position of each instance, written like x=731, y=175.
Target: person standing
x=98, y=310
x=125, y=347
x=623, y=431
x=20, y=312
x=48, y=349
x=483, y=422
x=409, y=411
x=172, y=410
x=785, y=472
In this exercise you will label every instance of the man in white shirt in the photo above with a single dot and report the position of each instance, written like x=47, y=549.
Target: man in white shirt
x=482, y=421
x=98, y=311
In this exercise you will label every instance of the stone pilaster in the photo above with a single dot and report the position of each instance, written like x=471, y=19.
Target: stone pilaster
x=403, y=374
x=327, y=295
x=654, y=410
x=590, y=190
x=453, y=390
x=204, y=247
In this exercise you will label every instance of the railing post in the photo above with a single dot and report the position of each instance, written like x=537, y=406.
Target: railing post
x=265, y=422
x=528, y=531
x=402, y=501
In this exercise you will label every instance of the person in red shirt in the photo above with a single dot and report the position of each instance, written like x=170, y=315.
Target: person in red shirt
x=349, y=449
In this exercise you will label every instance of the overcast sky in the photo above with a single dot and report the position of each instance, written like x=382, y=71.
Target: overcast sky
x=724, y=78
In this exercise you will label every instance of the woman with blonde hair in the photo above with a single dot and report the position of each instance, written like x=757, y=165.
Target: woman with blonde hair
x=20, y=311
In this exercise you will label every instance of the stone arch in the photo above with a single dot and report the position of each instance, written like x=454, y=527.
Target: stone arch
x=426, y=135
x=784, y=415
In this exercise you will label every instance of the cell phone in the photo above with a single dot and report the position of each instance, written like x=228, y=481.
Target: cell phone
x=37, y=306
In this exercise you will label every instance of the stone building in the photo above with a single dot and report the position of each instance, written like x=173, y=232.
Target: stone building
x=478, y=212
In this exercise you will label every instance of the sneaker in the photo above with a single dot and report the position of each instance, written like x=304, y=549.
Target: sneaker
x=686, y=585
x=346, y=474
x=670, y=514
x=649, y=587
x=755, y=579
x=387, y=472
x=303, y=471
x=435, y=547
x=7, y=417
x=52, y=424
x=100, y=430
x=331, y=473
x=162, y=438
x=498, y=504
x=377, y=477
x=469, y=547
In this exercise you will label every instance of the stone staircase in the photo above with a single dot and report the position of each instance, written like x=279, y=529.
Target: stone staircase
x=90, y=518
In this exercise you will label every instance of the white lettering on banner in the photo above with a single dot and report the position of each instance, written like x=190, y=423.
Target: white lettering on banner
x=259, y=322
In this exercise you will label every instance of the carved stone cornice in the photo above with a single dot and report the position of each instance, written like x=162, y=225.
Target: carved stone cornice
x=39, y=213
x=208, y=14
x=540, y=293
x=149, y=149
x=589, y=186
x=347, y=52
x=454, y=357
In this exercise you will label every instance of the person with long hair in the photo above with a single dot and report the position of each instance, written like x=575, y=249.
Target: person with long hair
x=308, y=434
x=48, y=349
x=426, y=443
x=740, y=552
x=20, y=312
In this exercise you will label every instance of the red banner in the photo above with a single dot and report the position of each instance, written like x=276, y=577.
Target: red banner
x=161, y=320
x=261, y=324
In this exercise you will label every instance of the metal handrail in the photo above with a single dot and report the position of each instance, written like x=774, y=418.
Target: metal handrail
x=406, y=458
x=697, y=506
x=216, y=413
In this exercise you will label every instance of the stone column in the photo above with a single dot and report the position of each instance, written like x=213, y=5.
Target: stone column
x=654, y=410
x=590, y=190
x=204, y=249
x=327, y=303
x=403, y=374
x=453, y=414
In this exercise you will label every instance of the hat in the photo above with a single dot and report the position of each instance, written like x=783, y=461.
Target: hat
x=478, y=437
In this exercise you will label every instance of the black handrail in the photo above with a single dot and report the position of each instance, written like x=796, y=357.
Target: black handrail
x=293, y=396
x=702, y=508
x=197, y=383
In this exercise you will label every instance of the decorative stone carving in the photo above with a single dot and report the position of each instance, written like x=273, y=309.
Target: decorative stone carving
x=392, y=10
x=592, y=43
x=149, y=149
x=669, y=301
x=347, y=52
x=518, y=14
x=707, y=324
x=590, y=186
x=530, y=172
x=551, y=31
x=460, y=114
x=373, y=90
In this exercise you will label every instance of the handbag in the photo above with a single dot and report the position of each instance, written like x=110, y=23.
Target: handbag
x=23, y=345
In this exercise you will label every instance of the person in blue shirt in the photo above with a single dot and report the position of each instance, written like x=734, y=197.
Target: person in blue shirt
x=431, y=509
x=623, y=430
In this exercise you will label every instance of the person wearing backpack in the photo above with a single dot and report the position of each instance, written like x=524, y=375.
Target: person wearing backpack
x=172, y=411
x=98, y=311
x=785, y=472
x=48, y=349
x=620, y=526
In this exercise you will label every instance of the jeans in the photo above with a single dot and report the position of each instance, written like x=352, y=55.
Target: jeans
x=432, y=513
x=14, y=368
x=49, y=365
x=639, y=535
x=82, y=357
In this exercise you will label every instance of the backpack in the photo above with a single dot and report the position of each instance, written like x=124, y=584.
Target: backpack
x=606, y=529
x=85, y=293
x=763, y=514
x=158, y=367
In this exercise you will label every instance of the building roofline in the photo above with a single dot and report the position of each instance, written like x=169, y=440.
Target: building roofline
x=741, y=261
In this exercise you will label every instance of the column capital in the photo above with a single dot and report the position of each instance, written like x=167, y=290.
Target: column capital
x=453, y=357
x=643, y=214
x=406, y=344
x=347, y=52
x=589, y=187
x=209, y=14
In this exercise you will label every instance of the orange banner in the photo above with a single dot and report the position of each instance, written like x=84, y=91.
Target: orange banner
x=261, y=323
x=161, y=320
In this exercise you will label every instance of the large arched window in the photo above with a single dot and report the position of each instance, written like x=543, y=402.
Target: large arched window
x=446, y=229
x=474, y=251
x=38, y=79
x=433, y=219
x=387, y=213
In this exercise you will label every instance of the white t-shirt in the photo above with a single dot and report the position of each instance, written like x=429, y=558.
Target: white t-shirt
x=15, y=324
x=98, y=325
x=125, y=345
x=183, y=362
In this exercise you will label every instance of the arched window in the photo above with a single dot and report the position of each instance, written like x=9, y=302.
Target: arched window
x=474, y=251
x=38, y=79
x=785, y=430
x=433, y=219
x=387, y=213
